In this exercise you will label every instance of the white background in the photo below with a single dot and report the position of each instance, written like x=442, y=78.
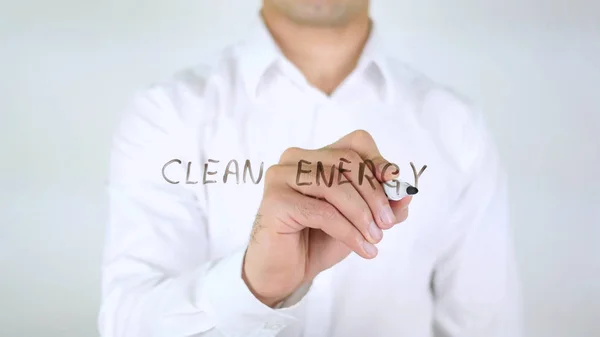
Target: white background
x=68, y=67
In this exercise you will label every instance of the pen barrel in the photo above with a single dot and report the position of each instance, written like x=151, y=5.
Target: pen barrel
x=396, y=189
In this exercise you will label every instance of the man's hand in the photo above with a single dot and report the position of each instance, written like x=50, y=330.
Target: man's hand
x=312, y=216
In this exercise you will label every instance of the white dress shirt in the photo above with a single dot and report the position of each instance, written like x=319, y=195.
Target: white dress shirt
x=173, y=257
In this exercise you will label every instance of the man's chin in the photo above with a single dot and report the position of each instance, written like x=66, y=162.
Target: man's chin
x=320, y=18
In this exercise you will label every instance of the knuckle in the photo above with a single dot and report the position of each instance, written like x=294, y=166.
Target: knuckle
x=326, y=211
x=361, y=136
x=354, y=238
x=316, y=209
x=289, y=154
x=307, y=208
x=303, y=208
x=272, y=172
x=366, y=216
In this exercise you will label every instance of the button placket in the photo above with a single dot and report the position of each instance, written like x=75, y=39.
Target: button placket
x=313, y=125
x=272, y=328
x=327, y=127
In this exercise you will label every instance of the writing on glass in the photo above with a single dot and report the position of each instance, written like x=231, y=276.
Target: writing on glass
x=321, y=175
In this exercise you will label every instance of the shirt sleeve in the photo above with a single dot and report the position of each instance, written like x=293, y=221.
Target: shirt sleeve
x=475, y=284
x=158, y=277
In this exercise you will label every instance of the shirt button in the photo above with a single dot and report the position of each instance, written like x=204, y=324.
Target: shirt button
x=274, y=326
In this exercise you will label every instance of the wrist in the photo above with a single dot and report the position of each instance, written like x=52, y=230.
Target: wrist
x=269, y=298
x=268, y=295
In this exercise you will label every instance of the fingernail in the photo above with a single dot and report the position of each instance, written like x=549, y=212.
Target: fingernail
x=385, y=170
x=370, y=249
x=375, y=232
x=387, y=215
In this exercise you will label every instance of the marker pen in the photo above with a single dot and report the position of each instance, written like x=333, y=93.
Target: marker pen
x=397, y=189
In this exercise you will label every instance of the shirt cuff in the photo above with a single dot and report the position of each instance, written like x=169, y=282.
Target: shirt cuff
x=236, y=311
x=294, y=298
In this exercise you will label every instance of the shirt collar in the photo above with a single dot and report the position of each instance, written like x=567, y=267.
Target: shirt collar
x=259, y=52
x=373, y=60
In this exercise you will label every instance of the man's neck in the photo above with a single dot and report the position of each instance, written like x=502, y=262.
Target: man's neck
x=325, y=55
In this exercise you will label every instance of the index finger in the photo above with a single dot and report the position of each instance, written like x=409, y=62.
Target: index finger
x=361, y=142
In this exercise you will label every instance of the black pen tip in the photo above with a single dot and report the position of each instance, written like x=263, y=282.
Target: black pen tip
x=411, y=190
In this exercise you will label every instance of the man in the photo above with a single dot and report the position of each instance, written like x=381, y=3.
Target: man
x=202, y=243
